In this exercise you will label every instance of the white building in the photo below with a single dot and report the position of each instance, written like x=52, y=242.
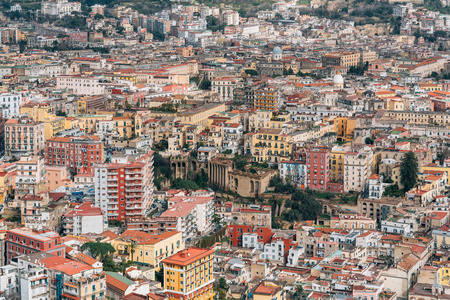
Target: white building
x=8, y=281
x=10, y=104
x=59, y=8
x=376, y=186
x=85, y=218
x=250, y=240
x=293, y=256
x=273, y=251
x=230, y=17
x=34, y=284
x=80, y=84
x=401, y=226
x=193, y=214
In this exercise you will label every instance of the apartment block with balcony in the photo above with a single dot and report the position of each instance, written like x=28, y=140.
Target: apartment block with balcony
x=357, y=169
x=146, y=249
x=23, y=136
x=267, y=99
x=84, y=218
x=30, y=178
x=31, y=207
x=271, y=146
x=125, y=189
x=34, y=284
x=318, y=163
x=77, y=153
x=189, y=274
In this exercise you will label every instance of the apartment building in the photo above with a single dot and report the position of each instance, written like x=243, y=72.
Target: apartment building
x=225, y=86
x=149, y=250
x=77, y=153
x=80, y=84
x=356, y=171
x=342, y=59
x=21, y=241
x=125, y=189
x=189, y=274
x=90, y=104
x=30, y=178
x=257, y=215
x=84, y=218
x=10, y=104
x=59, y=8
x=23, y=136
x=66, y=279
x=337, y=168
x=193, y=214
x=294, y=172
x=271, y=145
x=267, y=99
x=43, y=112
x=318, y=163
x=31, y=208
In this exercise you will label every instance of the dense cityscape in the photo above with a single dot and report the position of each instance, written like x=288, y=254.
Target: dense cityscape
x=212, y=149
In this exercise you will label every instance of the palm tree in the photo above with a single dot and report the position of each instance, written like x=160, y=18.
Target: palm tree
x=133, y=246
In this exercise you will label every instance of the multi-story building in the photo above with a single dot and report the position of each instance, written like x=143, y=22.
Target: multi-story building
x=10, y=104
x=318, y=164
x=271, y=145
x=84, y=218
x=43, y=112
x=225, y=86
x=357, y=170
x=30, y=178
x=189, y=274
x=256, y=215
x=337, y=168
x=343, y=59
x=21, y=241
x=65, y=278
x=80, y=84
x=294, y=172
x=59, y=8
x=230, y=17
x=125, y=190
x=193, y=214
x=23, y=136
x=149, y=249
x=90, y=104
x=77, y=153
x=31, y=208
x=268, y=99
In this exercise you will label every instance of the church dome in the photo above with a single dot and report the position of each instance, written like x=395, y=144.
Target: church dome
x=338, y=79
x=276, y=51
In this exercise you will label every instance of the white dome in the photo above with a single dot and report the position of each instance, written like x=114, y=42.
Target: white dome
x=338, y=79
x=276, y=50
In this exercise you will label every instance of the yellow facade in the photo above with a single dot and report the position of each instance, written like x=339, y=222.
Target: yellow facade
x=128, y=127
x=81, y=107
x=269, y=145
x=45, y=114
x=267, y=99
x=149, y=250
x=337, y=164
x=189, y=274
x=200, y=115
x=88, y=123
x=443, y=276
x=439, y=169
x=344, y=128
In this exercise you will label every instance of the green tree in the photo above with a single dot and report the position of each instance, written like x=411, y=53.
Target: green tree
x=441, y=158
x=408, y=170
x=98, y=17
x=240, y=163
x=223, y=283
x=98, y=250
x=369, y=141
x=205, y=84
x=393, y=191
x=278, y=16
x=184, y=184
x=251, y=72
x=127, y=105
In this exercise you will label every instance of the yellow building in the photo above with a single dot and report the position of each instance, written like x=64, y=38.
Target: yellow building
x=128, y=127
x=127, y=77
x=267, y=99
x=42, y=112
x=189, y=275
x=200, y=115
x=146, y=249
x=435, y=168
x=344, y=128
x=337, y=163
x=88, y=123
x=270, y=145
